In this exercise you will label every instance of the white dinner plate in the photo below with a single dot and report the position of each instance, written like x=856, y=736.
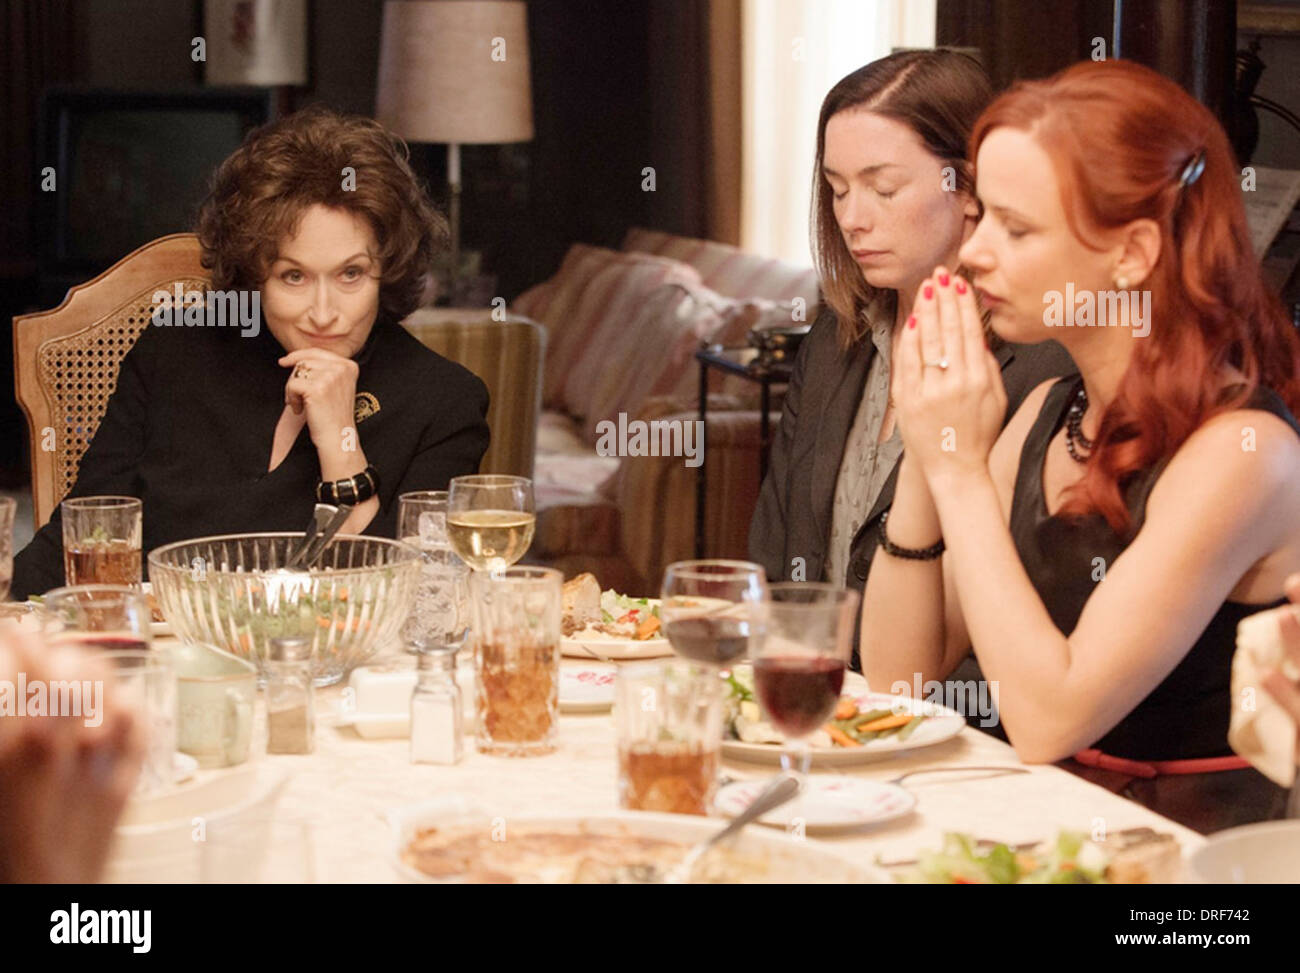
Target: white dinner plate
x=619, y=650
x=787, y=859
x=829, y=803
x=587, y=688
x=943, y=724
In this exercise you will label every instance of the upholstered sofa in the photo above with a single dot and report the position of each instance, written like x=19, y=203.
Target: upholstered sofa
x=622, y=328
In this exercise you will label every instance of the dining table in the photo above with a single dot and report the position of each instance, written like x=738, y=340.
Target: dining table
x=338, y=799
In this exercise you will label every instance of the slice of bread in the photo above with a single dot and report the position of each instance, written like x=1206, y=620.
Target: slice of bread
x=580, y=603
x=1142, y=857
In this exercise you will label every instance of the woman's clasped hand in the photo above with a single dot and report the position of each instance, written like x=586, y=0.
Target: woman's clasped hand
x=947, y=385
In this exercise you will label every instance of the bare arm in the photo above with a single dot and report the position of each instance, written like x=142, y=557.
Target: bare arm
x=912, y=618
x=1058, y=694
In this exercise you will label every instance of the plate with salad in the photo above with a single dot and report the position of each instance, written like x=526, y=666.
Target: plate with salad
x=1135, y=857
x=865, y=726
x=609, y=625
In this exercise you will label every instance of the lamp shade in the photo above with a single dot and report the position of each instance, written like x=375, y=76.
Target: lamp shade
x=455, y=71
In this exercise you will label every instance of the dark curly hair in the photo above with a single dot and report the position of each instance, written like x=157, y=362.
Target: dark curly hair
x=258, y=196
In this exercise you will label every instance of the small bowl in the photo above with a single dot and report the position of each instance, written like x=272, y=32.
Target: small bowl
x=234, y=593
x=1254, y=854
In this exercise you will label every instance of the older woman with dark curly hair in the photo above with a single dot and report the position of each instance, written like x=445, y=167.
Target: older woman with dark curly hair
x=218, y=430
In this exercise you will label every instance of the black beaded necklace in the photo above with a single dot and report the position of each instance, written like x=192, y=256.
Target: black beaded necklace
x=1074, y=437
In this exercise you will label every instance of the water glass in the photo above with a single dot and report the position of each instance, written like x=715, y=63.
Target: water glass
x=144, y=684
x=439, y=618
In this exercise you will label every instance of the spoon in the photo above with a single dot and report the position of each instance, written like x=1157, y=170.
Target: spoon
x=777, y=793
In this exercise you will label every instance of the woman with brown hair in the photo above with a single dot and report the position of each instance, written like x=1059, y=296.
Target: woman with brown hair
x=218, y=430
x=892, y=197
x=1100, y=549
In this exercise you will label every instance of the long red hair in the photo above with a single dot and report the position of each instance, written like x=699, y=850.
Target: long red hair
x=1119, y=136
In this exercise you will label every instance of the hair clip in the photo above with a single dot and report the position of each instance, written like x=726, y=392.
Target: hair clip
x=1192, y=171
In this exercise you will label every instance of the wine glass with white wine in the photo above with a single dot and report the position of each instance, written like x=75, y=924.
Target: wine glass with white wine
x=490, y=519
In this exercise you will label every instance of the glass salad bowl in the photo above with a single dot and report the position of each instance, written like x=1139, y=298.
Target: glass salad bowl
x=233, y=592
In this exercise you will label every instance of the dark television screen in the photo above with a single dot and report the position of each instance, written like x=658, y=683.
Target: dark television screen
x=131, y=167
x=133, y=176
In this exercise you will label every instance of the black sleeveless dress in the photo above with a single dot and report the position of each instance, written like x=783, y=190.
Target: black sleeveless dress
x=1186, y=716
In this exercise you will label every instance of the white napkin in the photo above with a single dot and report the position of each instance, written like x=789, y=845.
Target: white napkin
x=1261, y=730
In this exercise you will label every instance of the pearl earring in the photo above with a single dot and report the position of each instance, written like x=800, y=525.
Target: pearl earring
x=1121, y=283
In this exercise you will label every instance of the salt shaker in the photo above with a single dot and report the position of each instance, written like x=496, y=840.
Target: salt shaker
x=290, y=698
x=436, y=735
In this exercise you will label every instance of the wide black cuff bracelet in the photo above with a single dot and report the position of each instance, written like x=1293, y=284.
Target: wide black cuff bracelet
x=352, y=491
x=910, y=553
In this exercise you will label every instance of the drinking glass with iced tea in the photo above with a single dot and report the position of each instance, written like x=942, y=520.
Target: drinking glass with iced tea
x=102, y=540
x=669, y=715
x=517, y=659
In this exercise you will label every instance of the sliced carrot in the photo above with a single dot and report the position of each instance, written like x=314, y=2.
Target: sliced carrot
x=846, y=708
x=648, y=627
x=839, y=736
x=885, y=723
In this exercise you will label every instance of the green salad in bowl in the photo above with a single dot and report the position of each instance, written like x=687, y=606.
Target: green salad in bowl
x=233, y=592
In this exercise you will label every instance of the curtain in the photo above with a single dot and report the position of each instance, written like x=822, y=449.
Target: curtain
x=792, y=52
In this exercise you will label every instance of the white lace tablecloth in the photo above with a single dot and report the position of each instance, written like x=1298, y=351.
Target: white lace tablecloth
x=344, y=790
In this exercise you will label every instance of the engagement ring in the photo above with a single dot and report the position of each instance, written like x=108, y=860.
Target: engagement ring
x=940, y=363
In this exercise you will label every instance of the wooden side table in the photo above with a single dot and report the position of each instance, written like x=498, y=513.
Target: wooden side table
x=745, y=363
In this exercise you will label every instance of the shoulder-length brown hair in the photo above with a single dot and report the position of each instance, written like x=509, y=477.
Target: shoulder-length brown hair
x=938, y=94
x=259, y=193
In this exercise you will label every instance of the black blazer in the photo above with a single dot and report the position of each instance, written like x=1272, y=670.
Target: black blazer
x=189, y=426
x=793, y=517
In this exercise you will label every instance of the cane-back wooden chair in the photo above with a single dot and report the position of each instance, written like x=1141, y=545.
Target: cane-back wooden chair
x=66, y=360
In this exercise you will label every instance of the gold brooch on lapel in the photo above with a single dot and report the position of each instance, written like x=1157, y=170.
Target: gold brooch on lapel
x=365, y=406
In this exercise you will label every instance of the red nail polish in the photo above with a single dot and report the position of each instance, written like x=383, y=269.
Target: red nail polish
x=911, y=320
x=943, y=280
x=928, y=292
x=961, y=286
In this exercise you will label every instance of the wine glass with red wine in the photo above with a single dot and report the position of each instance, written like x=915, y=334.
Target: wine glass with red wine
x=799, y=666
x=99, y=616
x=714, y=611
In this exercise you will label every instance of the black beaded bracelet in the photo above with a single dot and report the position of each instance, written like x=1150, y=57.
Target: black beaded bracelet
x=910, y=553
x=352, y=491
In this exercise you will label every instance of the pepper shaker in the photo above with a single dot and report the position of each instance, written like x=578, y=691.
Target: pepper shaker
x=290, y=696
x=436, y=709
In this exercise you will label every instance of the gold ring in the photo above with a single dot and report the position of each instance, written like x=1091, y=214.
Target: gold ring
x=301, y=371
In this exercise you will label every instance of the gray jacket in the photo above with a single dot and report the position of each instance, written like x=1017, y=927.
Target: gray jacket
x=793, y=517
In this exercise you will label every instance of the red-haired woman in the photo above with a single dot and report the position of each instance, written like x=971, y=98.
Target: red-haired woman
x=1099, y=552
x=224, y=430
